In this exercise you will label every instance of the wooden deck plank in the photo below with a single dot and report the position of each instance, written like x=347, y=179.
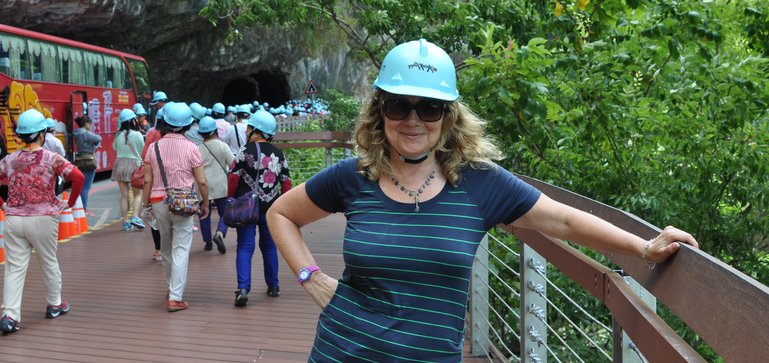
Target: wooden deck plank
x=117, y=293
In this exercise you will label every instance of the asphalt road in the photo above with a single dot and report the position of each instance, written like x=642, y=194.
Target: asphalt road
x=103, y=202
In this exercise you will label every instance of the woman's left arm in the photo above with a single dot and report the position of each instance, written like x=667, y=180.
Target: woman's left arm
x=562, y=221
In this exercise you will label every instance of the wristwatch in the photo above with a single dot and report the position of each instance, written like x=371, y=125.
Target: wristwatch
x=305, y=273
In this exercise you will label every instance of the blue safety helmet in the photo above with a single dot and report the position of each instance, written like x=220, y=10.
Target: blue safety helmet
x=158, y=96
x=125, y=115
x=418, y=68
x=198, y=111
x=30, y=122
x=232, y=109
x=138, y=109
x=218, y=108
x=178, y=114
x=263, y=121
x=244, y=109
x=206, y=125
x=50, y=124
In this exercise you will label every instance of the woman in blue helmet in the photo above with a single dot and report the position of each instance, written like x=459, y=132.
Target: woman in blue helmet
x=181, y=168
x=260, y=166
x=128, y=144
x=418, y=199
x=217, y=159
x=32, y=217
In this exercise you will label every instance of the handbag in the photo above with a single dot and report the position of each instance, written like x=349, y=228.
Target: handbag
x=181, y=201
x=244, y=210
x=85, y=161
x=137, y=177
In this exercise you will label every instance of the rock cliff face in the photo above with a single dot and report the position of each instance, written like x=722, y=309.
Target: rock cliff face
x=188, y=57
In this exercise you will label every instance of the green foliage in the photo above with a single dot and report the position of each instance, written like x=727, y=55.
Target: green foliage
x=343, y=108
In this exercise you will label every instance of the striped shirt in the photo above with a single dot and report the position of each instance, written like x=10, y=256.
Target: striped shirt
x=403, y=294
x=179, y=156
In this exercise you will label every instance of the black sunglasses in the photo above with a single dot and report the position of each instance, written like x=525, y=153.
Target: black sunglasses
x=428, y=110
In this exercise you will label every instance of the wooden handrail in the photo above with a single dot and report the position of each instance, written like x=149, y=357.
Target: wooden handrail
x=721, y=304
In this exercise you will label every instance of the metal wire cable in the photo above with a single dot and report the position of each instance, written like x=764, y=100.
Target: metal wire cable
x=498, y=337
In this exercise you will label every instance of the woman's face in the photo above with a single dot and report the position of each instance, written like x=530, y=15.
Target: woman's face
x=412, y=135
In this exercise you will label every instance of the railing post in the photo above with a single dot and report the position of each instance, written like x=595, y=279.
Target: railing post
x=328, y=156
x=533, y=306
x=625, y=351
x=479, y=295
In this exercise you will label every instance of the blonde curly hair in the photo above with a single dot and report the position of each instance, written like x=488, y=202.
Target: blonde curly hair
x=461, y=143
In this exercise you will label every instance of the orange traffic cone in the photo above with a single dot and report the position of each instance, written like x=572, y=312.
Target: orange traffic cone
x=79, y=214
x=2, y=237
x=67, y=226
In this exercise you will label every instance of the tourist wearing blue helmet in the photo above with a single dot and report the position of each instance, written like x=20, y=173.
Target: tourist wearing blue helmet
x=198, y=112
x=182, y=167
x=159, y=99
x=218, y=114
x=236, y=135
x=217, y=159
x=128, y=142
x=32, y=217
x=261, y=166
x=418, y=199
x=52, y=143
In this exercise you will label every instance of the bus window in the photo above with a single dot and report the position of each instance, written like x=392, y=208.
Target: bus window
x=141, y=77
x=72, y=65
x=94, y=69
x=16, y=50
x=115, y=75
x=44, y=60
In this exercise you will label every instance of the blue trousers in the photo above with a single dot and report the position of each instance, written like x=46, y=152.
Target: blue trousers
x=245, y=252
x=205, y=223
x=89, y=174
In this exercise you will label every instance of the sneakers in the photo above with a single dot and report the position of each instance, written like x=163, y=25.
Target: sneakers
x=273, y=291
x=8, y=325
x=89, y=214
x=209, y=246
x=175, y=305
x=241, y=298
x=137, y=222
x=127, y=226
x=53, y=311
x=219, y=243
x=157, y=257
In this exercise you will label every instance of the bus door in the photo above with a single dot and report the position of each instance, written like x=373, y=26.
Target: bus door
x=77, y=108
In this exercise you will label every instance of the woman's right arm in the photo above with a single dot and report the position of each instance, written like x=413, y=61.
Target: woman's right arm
x=285, y=217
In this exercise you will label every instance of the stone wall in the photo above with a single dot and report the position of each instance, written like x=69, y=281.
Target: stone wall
x=188, y=57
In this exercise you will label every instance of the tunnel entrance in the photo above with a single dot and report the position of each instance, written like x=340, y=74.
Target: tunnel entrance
x=273, y=87
x=269, y=86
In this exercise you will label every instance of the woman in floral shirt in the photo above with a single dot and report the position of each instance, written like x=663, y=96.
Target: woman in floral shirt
x=269, y=170
x=32, y=217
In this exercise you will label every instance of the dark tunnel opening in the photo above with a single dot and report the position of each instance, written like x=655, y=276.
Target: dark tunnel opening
x=265, y=86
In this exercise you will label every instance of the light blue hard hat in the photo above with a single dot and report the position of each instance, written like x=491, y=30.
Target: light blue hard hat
x=50, y=123
x=263, y=121
x=178, y=114
x=244, y=109
x=30, y=122
x=418, y=68
x=138, y=109
x=198, y=111
x=218, y=108
x=206, y=125
x=158, y=96
x=125, y=115
x=232, y=109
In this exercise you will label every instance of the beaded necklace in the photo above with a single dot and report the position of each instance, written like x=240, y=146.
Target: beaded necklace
x=415, y=193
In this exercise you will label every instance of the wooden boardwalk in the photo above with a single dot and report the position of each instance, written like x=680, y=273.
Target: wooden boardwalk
x=117, y=293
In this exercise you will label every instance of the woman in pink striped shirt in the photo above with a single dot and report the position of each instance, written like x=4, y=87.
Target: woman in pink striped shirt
x=182, y=167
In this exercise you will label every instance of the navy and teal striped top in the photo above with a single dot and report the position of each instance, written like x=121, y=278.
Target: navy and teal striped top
x=403, y=294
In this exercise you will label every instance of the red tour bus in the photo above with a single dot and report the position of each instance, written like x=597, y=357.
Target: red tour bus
x=64, y=79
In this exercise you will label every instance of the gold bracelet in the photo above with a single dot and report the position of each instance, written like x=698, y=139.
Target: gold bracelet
x=649, y=264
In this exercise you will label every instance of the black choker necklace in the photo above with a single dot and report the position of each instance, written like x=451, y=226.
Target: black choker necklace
x=417, y=159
